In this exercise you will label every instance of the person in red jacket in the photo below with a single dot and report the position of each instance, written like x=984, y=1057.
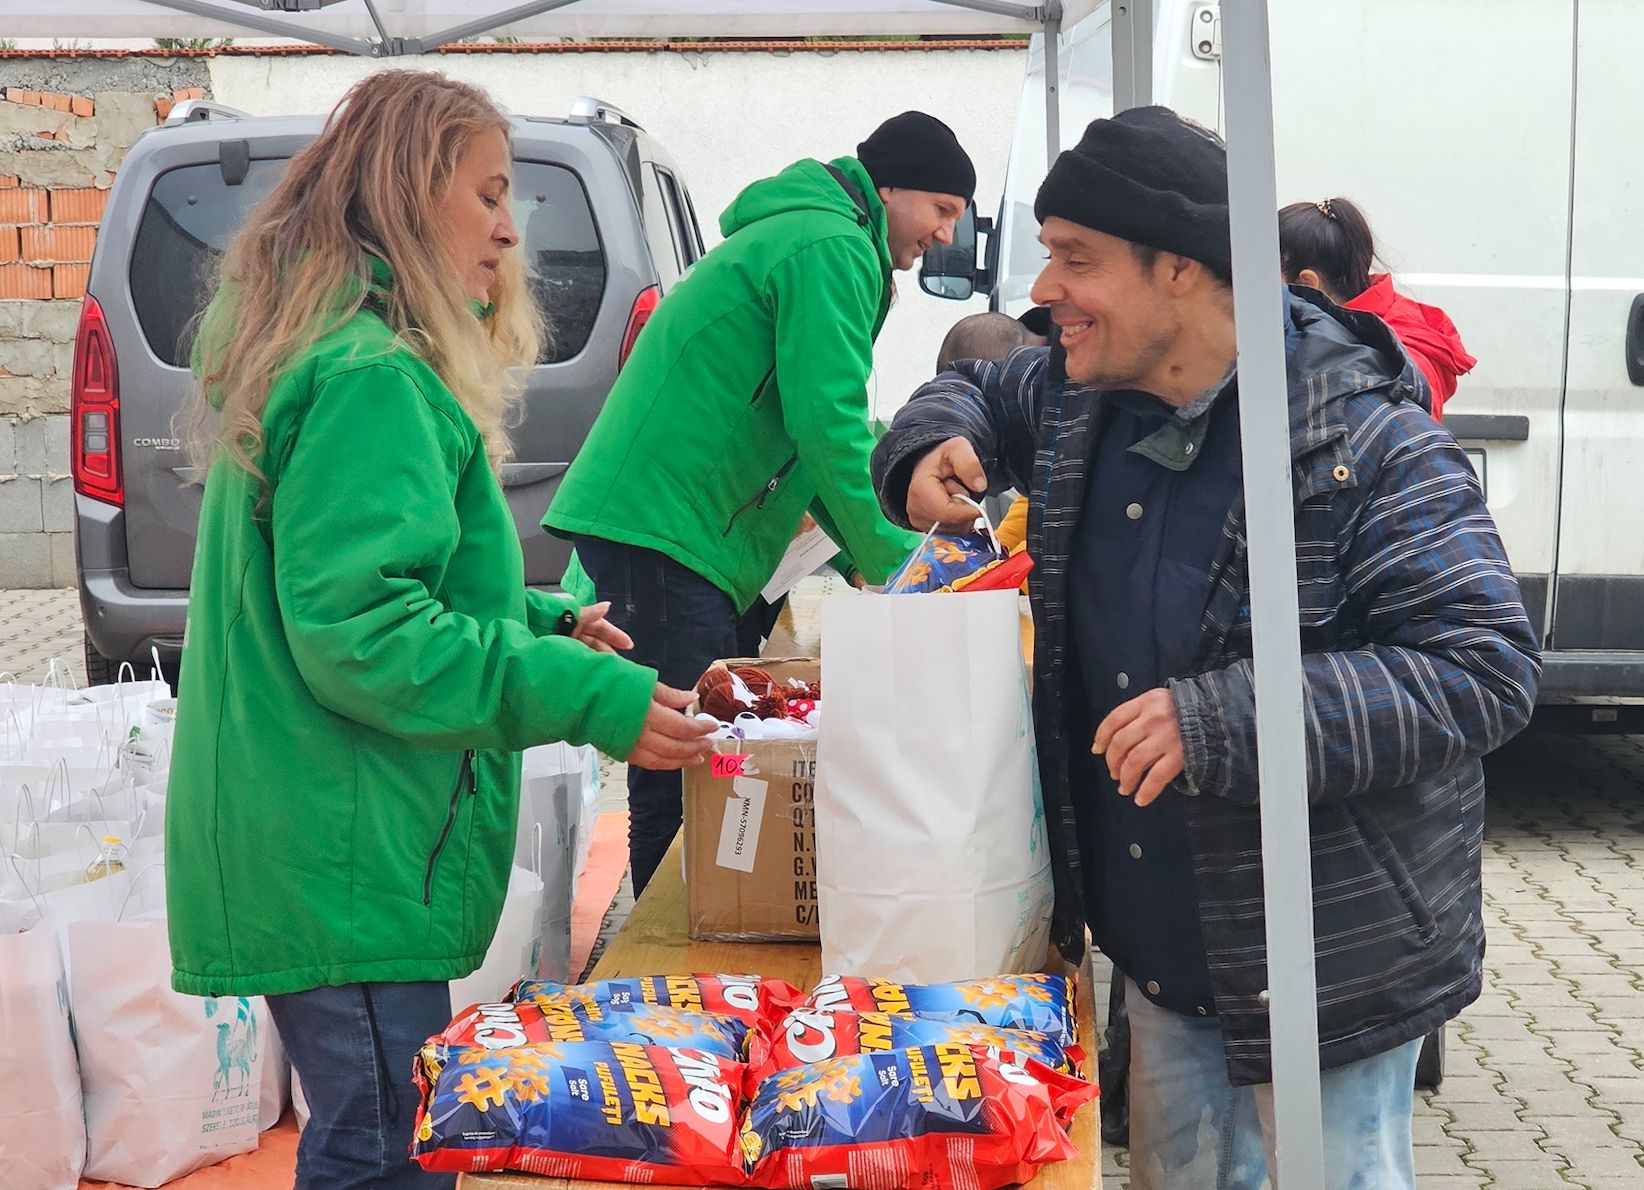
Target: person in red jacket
x=1327, y=246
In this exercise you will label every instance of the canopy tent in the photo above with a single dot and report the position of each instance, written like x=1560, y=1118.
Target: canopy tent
x=388, y=28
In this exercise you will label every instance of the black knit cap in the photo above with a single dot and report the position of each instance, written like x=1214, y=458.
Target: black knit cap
x=914, y=151
x=1150, y=177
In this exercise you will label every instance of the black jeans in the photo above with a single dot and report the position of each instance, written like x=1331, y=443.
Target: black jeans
x=681, y=624
x=353, y=1047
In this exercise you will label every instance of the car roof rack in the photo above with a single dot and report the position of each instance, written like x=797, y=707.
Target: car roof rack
x=196, y=111
x=590, y=110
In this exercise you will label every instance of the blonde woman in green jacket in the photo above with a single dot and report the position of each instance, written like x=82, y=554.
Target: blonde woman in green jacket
x=363, y=661
x=744, y=406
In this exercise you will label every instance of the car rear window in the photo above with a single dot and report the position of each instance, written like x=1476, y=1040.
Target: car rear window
x=192, y=214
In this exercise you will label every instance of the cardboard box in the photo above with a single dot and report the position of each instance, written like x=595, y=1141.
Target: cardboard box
x=750, y=834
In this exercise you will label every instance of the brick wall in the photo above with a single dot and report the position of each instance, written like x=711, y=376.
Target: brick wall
x=58, y=155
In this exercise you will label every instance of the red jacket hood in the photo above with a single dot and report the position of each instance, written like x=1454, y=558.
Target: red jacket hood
x=1425, y=331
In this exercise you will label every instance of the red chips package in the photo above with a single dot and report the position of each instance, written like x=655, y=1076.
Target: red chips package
x=531, y=1022
x=817, y=1034
x=1039, y=1003
x=757, y=1002
x=939, y=1117
x=606, y=1110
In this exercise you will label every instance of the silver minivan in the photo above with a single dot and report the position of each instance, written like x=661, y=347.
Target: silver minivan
x=606, y=224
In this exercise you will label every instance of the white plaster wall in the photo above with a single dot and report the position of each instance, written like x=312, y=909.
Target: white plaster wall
x=728, y=119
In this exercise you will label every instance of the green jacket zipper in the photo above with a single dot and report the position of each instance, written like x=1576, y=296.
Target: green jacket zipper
x=465, y=780
x=764, y=494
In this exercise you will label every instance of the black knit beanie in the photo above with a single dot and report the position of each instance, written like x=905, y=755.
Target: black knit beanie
x=914, y=151
x=1150, y=177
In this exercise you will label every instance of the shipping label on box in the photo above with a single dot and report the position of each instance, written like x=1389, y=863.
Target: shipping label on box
x=750, y=835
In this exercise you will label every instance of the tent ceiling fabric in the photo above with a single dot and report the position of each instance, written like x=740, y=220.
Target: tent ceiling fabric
x=414, y=19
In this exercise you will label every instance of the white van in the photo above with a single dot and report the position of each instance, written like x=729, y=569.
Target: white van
x=1494, y=147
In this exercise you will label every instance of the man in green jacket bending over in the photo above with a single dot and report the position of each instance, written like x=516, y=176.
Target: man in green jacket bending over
x=744, y=405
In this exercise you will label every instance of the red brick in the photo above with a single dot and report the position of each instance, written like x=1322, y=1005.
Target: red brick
x=162, y=107
x=57, y=102
x=69, y=280
x=78, y=206
x=45, y=135
x=24, y=281
x=8, y=182
x=14, y=94
x=8, y=245
x=53, y=243
x=25, y=205
x=81, y=106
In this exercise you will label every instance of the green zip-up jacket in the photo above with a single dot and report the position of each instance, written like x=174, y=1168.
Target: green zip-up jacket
x=745, y=400
x=362, y=665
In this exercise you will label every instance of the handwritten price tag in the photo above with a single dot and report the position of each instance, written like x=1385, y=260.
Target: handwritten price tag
x=729, y=765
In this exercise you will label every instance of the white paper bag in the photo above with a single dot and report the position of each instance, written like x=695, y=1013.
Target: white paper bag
x=172, y=1083
x=42, y=1130
x=931, y=855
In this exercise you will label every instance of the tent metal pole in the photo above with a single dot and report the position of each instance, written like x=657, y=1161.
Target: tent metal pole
x=264, y=24
x=1264, y=420
x=1053, y=89
x=1132, y=31
x=1007, y=8
x=422, y=45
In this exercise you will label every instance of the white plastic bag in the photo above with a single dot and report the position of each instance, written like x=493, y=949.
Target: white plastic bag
x=42, y=1129
x=512, y=955
x=172, y=1083
x=552, y=780
x=276, y=1084
x=932, y=862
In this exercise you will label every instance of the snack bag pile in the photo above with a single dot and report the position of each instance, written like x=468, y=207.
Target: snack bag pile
x=736, y=1080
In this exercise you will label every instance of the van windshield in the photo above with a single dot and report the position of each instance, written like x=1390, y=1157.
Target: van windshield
x=192, y=214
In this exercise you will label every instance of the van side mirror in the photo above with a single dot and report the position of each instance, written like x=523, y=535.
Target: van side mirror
x=951, y=270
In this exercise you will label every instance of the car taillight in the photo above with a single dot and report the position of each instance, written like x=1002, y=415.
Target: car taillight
x=644, y=307
x=94, y=410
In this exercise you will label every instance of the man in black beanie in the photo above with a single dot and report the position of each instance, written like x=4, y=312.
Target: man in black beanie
x=743, y=406
x=1417, y=656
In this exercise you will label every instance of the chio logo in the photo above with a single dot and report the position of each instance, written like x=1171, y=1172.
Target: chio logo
x=708, y=1095
x=810, y=1034
x=500, y=1027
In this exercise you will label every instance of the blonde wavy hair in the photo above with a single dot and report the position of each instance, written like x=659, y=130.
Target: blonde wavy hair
x=371, y=183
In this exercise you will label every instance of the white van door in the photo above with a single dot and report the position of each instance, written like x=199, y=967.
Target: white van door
x=1449, y=124
x=1598, y=588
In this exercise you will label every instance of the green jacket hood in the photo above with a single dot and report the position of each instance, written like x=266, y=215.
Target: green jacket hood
x=808, y=186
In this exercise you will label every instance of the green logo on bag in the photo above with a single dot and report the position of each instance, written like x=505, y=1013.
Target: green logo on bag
x=236, y=1048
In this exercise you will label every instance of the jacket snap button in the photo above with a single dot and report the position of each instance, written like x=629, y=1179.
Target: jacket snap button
x=1134, y=512
x=1342, y=474
x=1153, y=987
x=1264, y=997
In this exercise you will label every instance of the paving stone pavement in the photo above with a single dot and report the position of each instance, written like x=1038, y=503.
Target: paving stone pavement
x=1544, y=1084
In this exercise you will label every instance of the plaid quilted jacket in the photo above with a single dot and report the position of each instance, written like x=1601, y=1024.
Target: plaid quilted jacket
x=1418, y=658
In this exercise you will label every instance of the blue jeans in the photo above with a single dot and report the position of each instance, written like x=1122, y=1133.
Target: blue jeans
x=353, y=1047
x=1190, y=1129
x=681, y=624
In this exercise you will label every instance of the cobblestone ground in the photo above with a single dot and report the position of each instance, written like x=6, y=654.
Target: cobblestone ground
x=1543, y=1087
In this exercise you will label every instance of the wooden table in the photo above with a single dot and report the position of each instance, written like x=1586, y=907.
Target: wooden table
x=653, y=942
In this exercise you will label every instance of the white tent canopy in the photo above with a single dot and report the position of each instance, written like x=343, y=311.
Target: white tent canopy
x=384, y=28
